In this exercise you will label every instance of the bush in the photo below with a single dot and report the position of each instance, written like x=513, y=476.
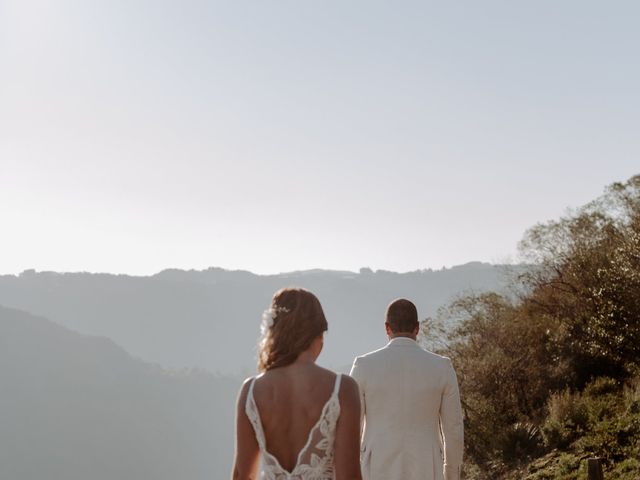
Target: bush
x=612, y=431
x=628, y=469
x=522, y=441
x=566, y=421
x=602, y=386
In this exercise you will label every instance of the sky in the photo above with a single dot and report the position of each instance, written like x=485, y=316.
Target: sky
x=285, y=135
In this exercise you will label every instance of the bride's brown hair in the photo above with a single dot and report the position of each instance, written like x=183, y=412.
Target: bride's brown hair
x=296, y=319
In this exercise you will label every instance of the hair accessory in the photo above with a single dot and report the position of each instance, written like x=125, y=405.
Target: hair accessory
x=268, y=316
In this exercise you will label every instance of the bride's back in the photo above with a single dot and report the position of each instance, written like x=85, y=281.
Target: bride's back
x=290, y=401
x=300, y=419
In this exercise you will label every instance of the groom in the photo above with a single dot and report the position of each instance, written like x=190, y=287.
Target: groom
x=410, y=401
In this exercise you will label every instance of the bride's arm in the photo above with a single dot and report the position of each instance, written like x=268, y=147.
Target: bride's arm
x=247, y=450
x=347, y=445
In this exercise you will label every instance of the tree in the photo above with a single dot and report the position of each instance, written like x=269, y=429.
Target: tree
x=577, y=317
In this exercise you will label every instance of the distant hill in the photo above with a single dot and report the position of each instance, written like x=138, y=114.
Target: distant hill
x=74, y=407
x=210, y=318
x=78, y=407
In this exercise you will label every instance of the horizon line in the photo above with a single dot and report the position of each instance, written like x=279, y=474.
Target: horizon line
x=362, y=270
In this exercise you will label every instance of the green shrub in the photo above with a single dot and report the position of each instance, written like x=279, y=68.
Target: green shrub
x=632, y=395
x=613, y=426
x=521, y=441
x=602, y=386
x=628, y=469
x=566, y=420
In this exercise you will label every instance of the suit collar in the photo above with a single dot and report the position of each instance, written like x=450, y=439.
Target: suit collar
x=402, y=342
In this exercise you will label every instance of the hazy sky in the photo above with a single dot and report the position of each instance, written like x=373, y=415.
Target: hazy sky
x=282, y=135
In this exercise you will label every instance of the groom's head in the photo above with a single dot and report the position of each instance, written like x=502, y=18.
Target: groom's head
x=402, y=319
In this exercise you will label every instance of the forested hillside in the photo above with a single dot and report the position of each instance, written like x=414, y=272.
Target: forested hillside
x=553, y=377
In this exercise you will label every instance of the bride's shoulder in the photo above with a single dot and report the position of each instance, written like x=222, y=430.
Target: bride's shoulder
x=249, y=380
x=324, y=371
x=349, y=394
x=348, y=384
x=246, y=385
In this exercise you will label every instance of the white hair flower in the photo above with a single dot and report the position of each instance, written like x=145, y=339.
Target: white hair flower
x=267, y=320
x=268, y=316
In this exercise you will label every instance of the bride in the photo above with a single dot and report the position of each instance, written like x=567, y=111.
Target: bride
x=301, y=420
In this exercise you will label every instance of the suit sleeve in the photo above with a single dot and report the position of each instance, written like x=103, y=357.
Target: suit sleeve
x=452, y=425
x=356, y=373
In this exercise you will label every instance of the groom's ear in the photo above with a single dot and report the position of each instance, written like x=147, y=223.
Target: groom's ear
x=388, y=328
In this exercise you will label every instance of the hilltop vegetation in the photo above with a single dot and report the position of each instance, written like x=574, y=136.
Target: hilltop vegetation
x=552, y=377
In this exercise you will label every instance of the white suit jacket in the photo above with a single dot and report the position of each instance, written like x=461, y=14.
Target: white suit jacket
x=410, y=400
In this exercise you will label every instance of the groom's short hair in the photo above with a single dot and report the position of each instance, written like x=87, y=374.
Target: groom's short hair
x=402, y=316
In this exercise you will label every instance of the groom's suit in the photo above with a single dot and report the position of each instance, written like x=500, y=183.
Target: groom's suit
x=409, y=396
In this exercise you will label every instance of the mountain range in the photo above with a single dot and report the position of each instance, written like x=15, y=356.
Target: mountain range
x=210, y=319
x=94, y=381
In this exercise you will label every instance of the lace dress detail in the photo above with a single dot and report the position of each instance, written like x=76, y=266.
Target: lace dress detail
x=315, y=460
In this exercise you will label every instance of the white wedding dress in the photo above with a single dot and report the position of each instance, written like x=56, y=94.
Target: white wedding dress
x=315, y=460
